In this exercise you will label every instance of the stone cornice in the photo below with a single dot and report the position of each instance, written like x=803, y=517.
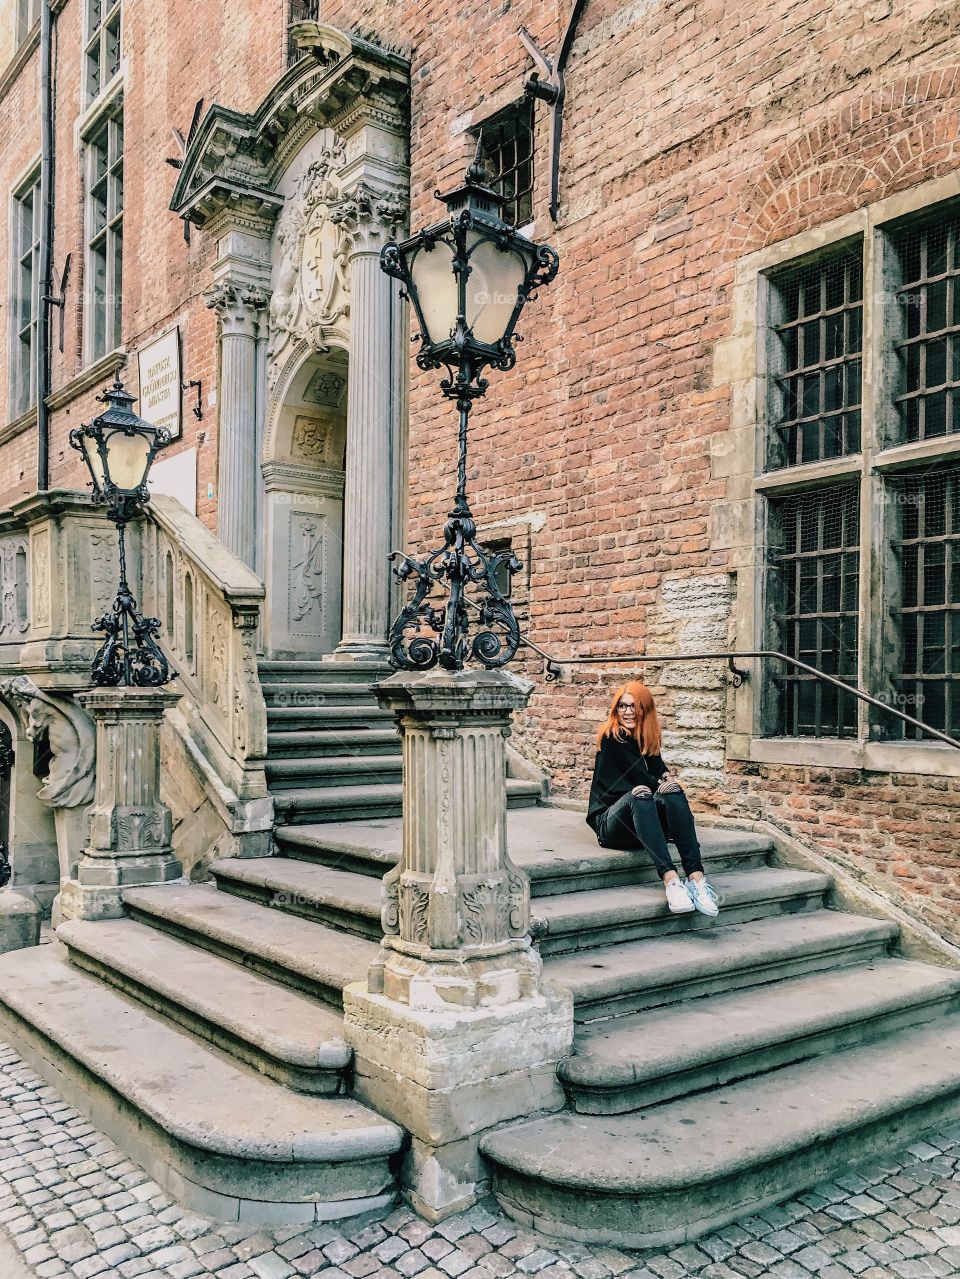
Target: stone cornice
x=303, y=478
x=99, y=371
x=238, y=158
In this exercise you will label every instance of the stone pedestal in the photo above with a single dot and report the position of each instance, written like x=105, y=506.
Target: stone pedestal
x=129, y=829
x=454, y=1030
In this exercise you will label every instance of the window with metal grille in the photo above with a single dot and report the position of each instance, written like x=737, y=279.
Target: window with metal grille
x=299, y=11
x=813, y=586
x=26, y=297
x=925, y=603
x=508, y=156
x=928, y=299
x=102, y=53
x=816, y=360
x=104, y=234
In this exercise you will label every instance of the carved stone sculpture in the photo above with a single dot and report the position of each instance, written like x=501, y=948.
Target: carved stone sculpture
x=70, y=782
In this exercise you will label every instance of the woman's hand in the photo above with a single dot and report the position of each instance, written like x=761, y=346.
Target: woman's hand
x=641, y=790
x=668, y=784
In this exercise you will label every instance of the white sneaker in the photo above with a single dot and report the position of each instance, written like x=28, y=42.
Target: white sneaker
x=678, y=899
x=702, y=897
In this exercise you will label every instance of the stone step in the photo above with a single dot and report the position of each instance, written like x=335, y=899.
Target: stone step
x=553, y=846
x=671, y=1173
x=290, y=670
x=337, y=898
x=318, y=693
x=297, y=952
x=605, y=916
x=334, y=770
x=280, y=1032
x=353, y=741
x=647, y=974
x=343, y=803
x=658, y=1055
x=315, y=719
x=218, y=1137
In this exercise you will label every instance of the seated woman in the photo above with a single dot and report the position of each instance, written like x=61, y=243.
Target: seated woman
x=635, y=800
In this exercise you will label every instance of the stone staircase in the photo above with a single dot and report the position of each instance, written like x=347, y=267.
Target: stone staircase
x=332, y=753
x=718, y=1065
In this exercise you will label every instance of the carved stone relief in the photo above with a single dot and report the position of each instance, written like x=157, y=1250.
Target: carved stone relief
x=103, y=569
x=311, y=440
x=14, y=588
x=311, y=286
x=40, y=565
x=307, y=563
x=326, y=389
x=72, y=738
x=217, y=673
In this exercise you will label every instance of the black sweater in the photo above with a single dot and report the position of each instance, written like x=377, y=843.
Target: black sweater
x=619, y=767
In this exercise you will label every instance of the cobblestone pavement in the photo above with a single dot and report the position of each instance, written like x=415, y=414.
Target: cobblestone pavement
x=75, y=1206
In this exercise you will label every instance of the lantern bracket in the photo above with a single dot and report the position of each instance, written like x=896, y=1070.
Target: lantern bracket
x=548, y=84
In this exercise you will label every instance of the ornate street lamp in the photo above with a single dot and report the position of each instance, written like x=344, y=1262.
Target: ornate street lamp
x=468, y=278
x=118, y=448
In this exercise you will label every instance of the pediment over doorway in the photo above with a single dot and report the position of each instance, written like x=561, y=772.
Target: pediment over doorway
x=237, y=159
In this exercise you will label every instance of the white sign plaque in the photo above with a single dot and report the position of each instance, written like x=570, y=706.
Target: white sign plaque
x=160, y=390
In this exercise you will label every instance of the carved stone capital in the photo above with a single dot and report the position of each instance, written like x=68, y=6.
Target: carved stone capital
x=238, y=307
x=369, y=218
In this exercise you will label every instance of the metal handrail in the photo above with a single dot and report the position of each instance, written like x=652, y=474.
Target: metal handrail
x=553, y=667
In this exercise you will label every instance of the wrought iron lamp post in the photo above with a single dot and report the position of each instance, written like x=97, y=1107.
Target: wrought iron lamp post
x=118, y=448
x=468, y=278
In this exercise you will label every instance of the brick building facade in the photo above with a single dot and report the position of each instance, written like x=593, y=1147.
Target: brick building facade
x=735, y=418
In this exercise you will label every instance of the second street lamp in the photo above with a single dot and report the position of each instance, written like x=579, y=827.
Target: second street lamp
x=118, y=448
x=468, y=279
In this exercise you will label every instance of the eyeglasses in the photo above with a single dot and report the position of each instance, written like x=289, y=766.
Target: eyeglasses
x=625, y=706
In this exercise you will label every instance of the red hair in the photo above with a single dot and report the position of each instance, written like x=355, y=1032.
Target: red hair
x=646, y=731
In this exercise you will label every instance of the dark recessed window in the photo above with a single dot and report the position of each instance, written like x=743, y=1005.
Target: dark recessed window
x=925, y=604
x=508, y=155
x=28, y=11
x=928, y=299
x=103, y=45
x=813, y=590
x=104, y=235
x=816, y=360
x=26, y=297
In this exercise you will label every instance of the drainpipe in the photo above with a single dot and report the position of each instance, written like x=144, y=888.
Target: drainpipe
x=46, y=245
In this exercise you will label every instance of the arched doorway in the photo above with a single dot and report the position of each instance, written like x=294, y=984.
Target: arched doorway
x=304, y=481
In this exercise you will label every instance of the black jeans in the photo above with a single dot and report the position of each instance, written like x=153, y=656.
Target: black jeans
x=649, y=820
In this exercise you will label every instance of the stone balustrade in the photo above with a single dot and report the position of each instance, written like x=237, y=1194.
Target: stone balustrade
x=208, y=602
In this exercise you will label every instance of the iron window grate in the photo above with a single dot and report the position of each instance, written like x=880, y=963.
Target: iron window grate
x=817, y=360
x=300, y=11
x=929, y=354
x=926, y=605
x=508, y=155
x=815, y=571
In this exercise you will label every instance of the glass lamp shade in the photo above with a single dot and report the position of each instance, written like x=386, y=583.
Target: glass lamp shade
x=493, y=288
x=436, y=289
x=91, y=454
x=128, y=459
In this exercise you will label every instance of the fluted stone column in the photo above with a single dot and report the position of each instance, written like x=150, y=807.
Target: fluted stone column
x=238, y=308
x=128, y=828
x=454, y=1030
x=369, y=218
